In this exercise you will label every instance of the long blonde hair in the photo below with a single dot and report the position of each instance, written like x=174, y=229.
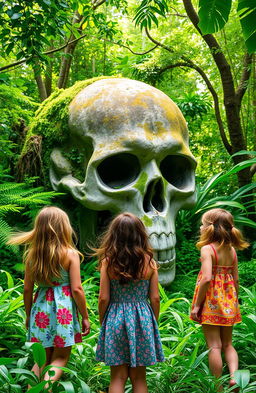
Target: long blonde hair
x=218, y=226
x=47, y=244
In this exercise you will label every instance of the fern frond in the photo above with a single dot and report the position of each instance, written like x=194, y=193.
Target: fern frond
x=7, y=187
x=5, y=231
x=5, y=209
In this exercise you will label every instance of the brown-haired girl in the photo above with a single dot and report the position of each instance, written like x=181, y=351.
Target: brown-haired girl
x=215, y=303
x=129, y=338
x=52, y=262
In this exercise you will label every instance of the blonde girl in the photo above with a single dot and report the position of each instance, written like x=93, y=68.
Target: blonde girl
x=129, y=338
x=53, y=263
x=215, y=303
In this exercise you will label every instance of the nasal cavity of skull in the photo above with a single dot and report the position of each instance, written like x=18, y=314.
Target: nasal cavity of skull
x=154, y=197
x=177, y=170
x=119, y=170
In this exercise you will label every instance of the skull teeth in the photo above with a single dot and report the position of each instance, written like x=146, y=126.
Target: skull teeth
x=164, y=249
x=166, y=255
x=162, y=242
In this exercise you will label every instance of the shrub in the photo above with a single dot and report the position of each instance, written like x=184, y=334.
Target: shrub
x=247, y=272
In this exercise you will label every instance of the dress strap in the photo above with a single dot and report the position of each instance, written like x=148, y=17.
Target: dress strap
x=215, y=253
x=146, y=271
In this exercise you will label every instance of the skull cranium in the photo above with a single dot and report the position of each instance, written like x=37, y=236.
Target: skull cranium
x=138, y=159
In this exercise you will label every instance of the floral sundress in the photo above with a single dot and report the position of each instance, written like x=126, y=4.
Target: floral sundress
x=129, y=333
x=54, y=317
x=220, y=306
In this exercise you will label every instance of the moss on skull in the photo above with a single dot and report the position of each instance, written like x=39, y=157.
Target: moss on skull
x=147, y=221
x=51, y=122
x=141, y=182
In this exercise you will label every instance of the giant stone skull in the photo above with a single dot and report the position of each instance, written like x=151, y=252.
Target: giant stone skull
x=138, y=159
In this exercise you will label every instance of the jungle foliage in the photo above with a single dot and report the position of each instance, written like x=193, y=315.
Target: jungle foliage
x=185, y=368
x=48, y=51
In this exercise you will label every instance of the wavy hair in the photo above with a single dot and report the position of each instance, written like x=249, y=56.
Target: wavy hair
x=218, y=226
x=124, y=246
x=47, y=244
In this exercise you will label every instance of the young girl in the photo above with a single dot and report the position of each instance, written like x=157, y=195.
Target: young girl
x=129, y=338
x=52, y=262
x=215, y=303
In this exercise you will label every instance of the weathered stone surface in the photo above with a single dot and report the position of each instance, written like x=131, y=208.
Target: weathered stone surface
x=136, y=158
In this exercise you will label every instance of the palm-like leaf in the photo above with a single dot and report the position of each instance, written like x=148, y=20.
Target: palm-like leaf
x=234, y=201
x=213, y=15
x=247, y=11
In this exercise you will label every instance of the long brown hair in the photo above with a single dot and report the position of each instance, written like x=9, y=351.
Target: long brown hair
x=125, y=246
x=218, y=226
x=47, y=244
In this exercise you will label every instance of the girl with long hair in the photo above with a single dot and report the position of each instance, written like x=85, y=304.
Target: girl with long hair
x=52, y=262
x=215, y=303
x=129, y=337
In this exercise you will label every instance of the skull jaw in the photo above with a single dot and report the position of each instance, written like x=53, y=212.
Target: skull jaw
x=166, y=276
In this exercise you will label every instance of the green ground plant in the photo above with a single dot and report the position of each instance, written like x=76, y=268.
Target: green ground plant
x=185, y=369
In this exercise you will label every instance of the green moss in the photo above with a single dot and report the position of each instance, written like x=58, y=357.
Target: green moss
x=51, y=119
x=148, y=222
x=140, y=184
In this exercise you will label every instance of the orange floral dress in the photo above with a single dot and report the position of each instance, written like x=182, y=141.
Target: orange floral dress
x=220, y=306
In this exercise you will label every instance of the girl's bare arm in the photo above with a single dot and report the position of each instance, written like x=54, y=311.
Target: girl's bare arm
x=28, y=293
x=154, y=293
x=77, y=290
x=104, y=295
x=206, y=269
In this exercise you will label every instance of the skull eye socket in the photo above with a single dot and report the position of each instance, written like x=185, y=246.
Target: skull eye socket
x=119, y=170
x=177, y=170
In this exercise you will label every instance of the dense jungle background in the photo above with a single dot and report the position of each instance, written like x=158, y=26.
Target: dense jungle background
x=202, y=55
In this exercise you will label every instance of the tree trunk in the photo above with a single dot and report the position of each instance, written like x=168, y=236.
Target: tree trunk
x=67, y=58
x=40, y=84
x=48, y=75
x=232, y=101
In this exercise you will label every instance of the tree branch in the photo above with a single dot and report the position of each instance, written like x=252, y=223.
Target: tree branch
x=177, y=13
x=216, y=51
x=214, y=96
x=127, y=47
x=44, y=53
x=160, y=43
x=242, y=86
x=49, y=52
x=22, y=61
x=191, y=64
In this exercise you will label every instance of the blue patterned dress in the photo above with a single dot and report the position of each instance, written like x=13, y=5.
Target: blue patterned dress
x=129, y=333
x=54, y=317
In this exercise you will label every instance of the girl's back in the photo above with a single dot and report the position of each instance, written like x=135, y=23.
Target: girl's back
x=129, y=333
x=223, y=256
x=134, y=290
x=53, y=320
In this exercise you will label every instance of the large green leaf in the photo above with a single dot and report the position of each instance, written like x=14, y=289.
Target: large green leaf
x=247, y=13
x=10, y=282
x=213, y=15
x=242, y=378
x=6, y=361
x=39, y=354
x=38, y=388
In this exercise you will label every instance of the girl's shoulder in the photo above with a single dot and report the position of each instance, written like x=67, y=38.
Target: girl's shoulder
x=150, y=268
x=207, y=249
x=70, y=254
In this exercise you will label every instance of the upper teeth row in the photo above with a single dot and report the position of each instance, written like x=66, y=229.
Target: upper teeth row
x=162, y=242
